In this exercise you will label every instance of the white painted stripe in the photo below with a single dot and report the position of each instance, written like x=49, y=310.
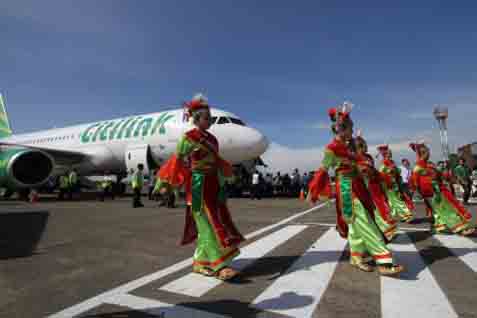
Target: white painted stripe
x=415, y=293
x=462, y=247
x=297, y=292
x=99, y=299
x=196, y=285
x=285, y=221
x=158, y=308
x=409, y=229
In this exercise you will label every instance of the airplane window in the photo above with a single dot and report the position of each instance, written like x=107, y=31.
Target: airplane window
x=213, y=119
x=223, y=120
x=237, y=121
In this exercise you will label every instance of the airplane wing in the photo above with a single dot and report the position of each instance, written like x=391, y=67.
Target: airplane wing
x=61, y=157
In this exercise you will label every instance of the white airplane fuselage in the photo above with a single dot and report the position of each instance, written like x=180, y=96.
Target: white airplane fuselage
x=111, y=145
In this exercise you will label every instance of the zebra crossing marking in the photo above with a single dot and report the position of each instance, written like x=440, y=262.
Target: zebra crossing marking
x=159, y=308
x=456, y=244
x=96, y=301
x=196, y=285
x=297, y=292
x=415, y=293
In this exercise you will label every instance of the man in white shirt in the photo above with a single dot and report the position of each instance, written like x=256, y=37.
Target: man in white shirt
x=406, y=175
x=255, y=190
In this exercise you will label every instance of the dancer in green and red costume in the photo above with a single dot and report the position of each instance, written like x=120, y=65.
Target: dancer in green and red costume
x=198, y=165
x=401, y=204
x=374, y=182
x=448, y=214
x=354, y=205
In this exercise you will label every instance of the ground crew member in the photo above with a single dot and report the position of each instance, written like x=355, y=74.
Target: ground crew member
x=166, y=192
x=73, y=183
x=64, y=186
x=106, y=187
x=137, y=183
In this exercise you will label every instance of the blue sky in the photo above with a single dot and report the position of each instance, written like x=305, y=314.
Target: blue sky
x=278, y=65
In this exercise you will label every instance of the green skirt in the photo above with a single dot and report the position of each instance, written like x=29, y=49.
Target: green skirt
x=446, y=217
x=399, y=209
x=365, y=238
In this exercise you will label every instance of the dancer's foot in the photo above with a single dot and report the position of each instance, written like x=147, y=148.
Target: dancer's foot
x=467, y=232
x=365, y=267
x=204, y=271
x=226, y=273
x=390, y=270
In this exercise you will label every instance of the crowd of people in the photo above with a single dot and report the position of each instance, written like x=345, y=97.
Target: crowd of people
x=270, y=185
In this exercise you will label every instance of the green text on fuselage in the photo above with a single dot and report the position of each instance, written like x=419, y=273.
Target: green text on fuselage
x=126, y=128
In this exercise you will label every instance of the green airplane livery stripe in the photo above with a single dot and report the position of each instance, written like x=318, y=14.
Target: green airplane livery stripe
x=86, y=135
x=130, y=128
x=145, y=124
x=112, y=133
x=104, y=132
x=125, y=128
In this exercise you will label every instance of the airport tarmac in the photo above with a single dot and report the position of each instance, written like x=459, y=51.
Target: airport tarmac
x=106, y=259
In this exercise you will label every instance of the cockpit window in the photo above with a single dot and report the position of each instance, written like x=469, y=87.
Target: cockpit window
x=237, y=121
x=223, y=120
x=213, y=119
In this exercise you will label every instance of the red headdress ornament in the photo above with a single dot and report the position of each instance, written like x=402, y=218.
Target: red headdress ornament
x=383, y=150
x=340, y=117
x=415, y=146
x=198, y=102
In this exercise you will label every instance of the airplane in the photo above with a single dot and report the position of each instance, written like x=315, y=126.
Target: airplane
x=118, y=145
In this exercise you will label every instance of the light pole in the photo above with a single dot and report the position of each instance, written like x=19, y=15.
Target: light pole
x=441, y=114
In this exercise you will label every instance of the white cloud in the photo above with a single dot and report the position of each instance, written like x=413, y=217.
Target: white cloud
x=285, y=159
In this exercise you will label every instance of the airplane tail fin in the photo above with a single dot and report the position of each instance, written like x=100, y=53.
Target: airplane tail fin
x=5, y=130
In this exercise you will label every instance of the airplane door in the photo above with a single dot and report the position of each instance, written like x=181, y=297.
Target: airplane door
x=136, y=154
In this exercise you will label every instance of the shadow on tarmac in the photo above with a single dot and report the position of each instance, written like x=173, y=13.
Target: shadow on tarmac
x=20, y=232
x=420, y=220
x=227, y=307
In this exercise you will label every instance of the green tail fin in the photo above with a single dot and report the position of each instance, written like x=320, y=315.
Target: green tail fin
x=5, y=130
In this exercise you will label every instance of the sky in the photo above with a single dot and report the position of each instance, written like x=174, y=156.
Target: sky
x=278, y=65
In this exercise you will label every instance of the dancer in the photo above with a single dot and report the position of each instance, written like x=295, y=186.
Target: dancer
x=372, y=178
x=448, y=213
x=354, y=205
x=207, y=217
x=401, y=204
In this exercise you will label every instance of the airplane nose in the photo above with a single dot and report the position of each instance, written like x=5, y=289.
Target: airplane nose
x=258, y=143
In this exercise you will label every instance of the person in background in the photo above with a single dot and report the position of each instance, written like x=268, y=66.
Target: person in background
x=448, y=214
x=473, y=178
x=401, y=205
x=137, y=183
x=406, y=172
x=151, y=184
x=166, y=193
x=304, y=184
x=462, y=173
x=106, y=186
x=269, y=185
x=277, y=184
x=286, y=184
x=255, y=189
x=295, y=183
x=447, y=176
x=73, y=183
x=63, y=182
